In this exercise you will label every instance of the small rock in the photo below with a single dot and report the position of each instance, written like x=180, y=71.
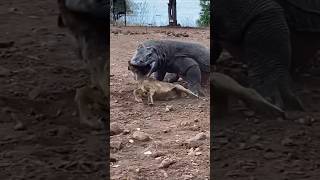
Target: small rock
x=40, y=117
x=19, y=126
x=198, y=137
x=63, y=131
x=249, y=113
x=59, y=112
x=255, y=138
x=157, y=154
x=74, y=113
x=116, y=145
x=306, y=121
x=166, y=163
x=185, y=123
x=196, y=140
x=166, y=130
x=115, y=129
x=168, y=108
x=4, y=72
x=287, y=142
x=126, y=131
x=165, y=174
x=187, y=177
x=113, y=159
x=35, y=93
x=147, y=153
x=270, y=155
x=131, y=141
x=141, y=136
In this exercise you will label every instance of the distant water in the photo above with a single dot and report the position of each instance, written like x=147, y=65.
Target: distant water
x=155, y=12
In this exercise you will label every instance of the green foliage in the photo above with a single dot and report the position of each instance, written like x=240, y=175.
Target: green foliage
x=204, y=19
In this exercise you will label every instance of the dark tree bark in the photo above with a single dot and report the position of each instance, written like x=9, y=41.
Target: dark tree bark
x=172, y=12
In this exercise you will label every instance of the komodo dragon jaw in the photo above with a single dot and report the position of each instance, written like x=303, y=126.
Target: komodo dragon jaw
x=152, y=69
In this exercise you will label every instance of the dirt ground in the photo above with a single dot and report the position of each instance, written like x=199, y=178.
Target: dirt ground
x=248, y=147
x=168, y=131
x=40, y=134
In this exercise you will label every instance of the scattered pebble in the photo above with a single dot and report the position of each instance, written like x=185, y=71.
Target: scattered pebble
x=168, y=108
x=115, y=166
x=4, y=71
x=35, y=93
x=115, y=129
x=196, y=140
x=254, y=138
x=116, y=145
x=166, y=163
x=141, y=136
x=270, y=155
x=287, y=142
x=147, y=153
x=126, y=131
x=19, y=126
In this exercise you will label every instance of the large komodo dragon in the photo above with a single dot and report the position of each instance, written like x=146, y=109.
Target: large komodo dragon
x=273, y=37
x=87, y=22
x=191, y=61
x=154, y=89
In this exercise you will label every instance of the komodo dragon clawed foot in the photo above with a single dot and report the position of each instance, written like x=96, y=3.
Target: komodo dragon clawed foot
x=224, y=86
x=92, y=107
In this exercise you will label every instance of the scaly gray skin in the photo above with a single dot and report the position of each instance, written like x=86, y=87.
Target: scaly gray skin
x=96, y=8
x=257, y=32
x=190, y=61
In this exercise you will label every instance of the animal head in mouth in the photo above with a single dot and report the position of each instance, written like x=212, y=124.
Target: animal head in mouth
x=139, y=72
x=145, y=57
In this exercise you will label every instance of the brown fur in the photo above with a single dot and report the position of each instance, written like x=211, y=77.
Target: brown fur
x=155, y=90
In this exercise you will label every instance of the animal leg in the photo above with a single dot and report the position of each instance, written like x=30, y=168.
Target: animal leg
x=193, y=77
x=136, y=97
x=150, y=97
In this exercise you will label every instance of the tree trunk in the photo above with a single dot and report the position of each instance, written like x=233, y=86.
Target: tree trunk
x=172, y=13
